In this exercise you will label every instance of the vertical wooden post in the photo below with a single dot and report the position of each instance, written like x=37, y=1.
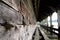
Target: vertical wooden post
x=51, y=25
x=58, y=24
x=50, y=20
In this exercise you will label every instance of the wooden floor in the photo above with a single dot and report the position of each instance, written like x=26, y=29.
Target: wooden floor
x=37, y=35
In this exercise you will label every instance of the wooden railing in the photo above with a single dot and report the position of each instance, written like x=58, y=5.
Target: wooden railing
x=50, y=29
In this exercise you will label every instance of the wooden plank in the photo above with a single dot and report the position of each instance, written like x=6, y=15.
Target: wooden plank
x=44, y=35
x=12, y=3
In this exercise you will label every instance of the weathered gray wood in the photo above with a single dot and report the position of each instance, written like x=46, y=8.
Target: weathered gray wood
x=13, y=3
x=15, y=18
x=58, y=23
x=44, y=35
x=10, y=15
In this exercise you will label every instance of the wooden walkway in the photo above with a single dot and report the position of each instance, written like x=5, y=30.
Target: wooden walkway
x=39, y=34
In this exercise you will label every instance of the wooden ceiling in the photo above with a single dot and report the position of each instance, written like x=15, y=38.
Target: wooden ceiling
x=44, y=8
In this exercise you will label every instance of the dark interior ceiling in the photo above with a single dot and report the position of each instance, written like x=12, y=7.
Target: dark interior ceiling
x=44, y=8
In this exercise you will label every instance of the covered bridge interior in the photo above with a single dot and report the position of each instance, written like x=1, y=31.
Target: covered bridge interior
x=18, y=19
x=44, y=8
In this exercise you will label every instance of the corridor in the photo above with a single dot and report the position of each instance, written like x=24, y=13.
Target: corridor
x=29, y=20
x=37, y=35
